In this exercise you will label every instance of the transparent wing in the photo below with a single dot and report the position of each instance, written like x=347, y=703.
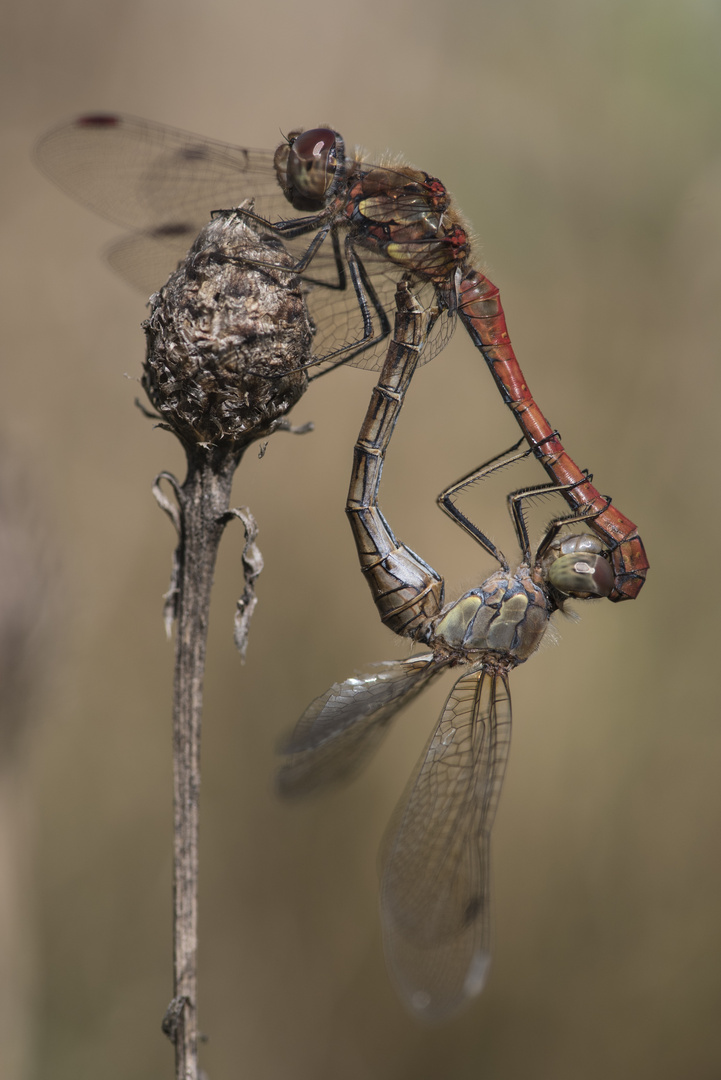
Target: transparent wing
x=339, y=731
x=164, y=184
x=145, y=175
x=145, y=260
x=338, y=319
x=435, y=860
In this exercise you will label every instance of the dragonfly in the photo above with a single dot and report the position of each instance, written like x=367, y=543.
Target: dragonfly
x=435, y=858
x=354, y=227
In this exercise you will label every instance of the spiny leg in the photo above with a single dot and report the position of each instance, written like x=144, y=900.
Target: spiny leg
x=366, y=294
x=515, y=503
x=585, y=514
x=283, y=230
x=446, y=498
x=291, y=227
x=368, y=302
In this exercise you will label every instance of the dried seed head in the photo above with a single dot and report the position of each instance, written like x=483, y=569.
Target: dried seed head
x=226, y=338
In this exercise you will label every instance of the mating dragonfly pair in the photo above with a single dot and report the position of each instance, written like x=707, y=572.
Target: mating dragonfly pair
x=374, y=239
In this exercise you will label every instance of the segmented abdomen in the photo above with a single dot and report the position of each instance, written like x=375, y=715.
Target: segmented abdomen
x=480, y=308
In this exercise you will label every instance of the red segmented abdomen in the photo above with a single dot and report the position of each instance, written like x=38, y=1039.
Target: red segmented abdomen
x=480, y=308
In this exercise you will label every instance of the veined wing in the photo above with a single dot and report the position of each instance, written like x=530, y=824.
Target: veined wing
x=145, y=176
x=435, y=864
x=339, y=730
x=164, y=184
x=338, y=320
x=145, y=260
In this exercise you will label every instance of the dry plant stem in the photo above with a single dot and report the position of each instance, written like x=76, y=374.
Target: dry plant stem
x=228, y=338
x=202, y=514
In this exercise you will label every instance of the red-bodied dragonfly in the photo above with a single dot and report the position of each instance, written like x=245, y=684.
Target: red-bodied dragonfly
x=435, y=896
x=354, y=227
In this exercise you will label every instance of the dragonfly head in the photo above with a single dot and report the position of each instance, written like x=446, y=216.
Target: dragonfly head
x=310, y=167
x=576, y=566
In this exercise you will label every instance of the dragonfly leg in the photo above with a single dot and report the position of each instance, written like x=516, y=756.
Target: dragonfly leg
x=292, y=227
x=515, y=503
x=587, y=514
x=446, y=498
x=582, y=513
x=342, y=283
x=368, y=304
x=322, y=224
x=367, y=297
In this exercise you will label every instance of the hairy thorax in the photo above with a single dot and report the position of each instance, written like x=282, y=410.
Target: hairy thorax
x=508, y=614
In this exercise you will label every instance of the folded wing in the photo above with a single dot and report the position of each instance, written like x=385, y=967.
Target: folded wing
x=435, y=861
x=340, y=730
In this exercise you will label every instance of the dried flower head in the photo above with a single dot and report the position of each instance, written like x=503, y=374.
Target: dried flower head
x=226, y=338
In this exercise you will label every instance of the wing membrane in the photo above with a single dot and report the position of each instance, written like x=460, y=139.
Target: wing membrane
x=144, y=175
x=338, y=320
x=164, y=183
x=435, y=861
x=339, y=730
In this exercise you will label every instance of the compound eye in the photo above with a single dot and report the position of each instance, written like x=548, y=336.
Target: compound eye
x=584, y=575
x=312, y=162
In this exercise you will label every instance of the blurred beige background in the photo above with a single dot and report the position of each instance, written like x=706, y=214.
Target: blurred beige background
x=583, y=141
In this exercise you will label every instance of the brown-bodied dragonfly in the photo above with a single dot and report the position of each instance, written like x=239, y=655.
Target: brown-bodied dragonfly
x=355, y=228
x=435, y=859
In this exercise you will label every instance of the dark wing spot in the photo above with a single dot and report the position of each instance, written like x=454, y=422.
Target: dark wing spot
x=98, y=120
x=174, y=228
x=473, y=907
x=193, y=153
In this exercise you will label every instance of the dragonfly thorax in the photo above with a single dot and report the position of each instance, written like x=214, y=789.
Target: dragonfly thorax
x=507, y=614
